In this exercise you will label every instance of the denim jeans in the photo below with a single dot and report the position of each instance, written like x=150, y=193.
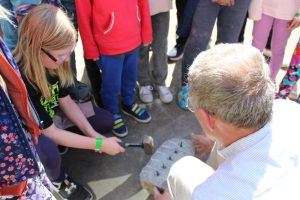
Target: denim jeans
x=185, y=23
x=119, y=75
x=229, y=23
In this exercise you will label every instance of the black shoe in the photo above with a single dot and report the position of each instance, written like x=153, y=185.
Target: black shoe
x=176, y=53
x=69, y=190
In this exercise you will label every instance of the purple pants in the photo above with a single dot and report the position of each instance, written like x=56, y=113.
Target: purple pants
x=48, y=152
x=281, y=34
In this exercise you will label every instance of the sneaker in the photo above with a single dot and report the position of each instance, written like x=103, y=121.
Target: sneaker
x=69, y=190
x=164, y=94
x=119, y=128
x=176, y=53
x=182, y=97
x=145, y=94
x=137, y=112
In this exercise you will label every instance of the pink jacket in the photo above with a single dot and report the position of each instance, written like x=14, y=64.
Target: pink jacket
x=159, y=6
x=280, y=9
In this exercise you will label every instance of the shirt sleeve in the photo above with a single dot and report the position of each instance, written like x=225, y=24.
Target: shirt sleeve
x=145, y=21
x=63, y=92
x=85, y=23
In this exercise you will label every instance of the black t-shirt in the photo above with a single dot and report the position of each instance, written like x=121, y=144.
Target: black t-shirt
x=46, y=108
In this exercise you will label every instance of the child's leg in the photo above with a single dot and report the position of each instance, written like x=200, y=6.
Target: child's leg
x=261, y=30
x=49, y=155
x=292, y=75
x=202, y=26
x=230, y=21
x=144, y=77
x=112, y=67
x=281, y=34
x=185, y=23
x=102, y=121
x=129, y=77
x=159, y=45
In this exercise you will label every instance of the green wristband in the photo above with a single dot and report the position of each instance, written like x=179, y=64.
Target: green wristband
x=99, y=142
x=297, y=14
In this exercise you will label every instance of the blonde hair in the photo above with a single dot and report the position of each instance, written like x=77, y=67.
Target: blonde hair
x=47, y=27
x=231, y=82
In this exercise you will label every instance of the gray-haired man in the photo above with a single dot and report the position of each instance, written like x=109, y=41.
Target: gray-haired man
x=233, y=99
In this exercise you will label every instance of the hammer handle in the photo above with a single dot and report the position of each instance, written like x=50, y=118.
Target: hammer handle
x=124, y=144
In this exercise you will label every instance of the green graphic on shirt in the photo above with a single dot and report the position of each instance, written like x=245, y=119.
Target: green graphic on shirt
x=49, y=105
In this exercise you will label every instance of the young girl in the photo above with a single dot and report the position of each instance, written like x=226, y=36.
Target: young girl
x=291, y=77
x=111, y=33
x=46, y=40
x=160, y=17
x=282, y=18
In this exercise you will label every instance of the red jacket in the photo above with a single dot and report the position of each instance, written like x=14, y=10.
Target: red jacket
x=113, y=27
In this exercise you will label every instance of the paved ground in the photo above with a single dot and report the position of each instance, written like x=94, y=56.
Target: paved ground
x=117, y=178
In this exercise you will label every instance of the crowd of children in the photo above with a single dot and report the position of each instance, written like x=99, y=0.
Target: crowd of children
x=117, y=38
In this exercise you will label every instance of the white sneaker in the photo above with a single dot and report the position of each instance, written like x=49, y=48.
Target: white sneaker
x=145, y=93
x=165, y=94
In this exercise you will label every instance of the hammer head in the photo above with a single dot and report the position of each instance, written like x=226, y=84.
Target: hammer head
x=148, y=144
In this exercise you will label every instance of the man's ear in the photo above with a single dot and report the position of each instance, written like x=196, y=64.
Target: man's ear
x=205, y=118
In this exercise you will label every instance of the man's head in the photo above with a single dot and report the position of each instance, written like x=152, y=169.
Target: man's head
x=231, y=82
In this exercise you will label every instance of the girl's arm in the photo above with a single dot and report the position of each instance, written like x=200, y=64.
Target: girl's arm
x=69, y=139
x=75, y=115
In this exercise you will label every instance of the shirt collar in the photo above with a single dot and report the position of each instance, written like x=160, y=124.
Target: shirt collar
x=245, y=142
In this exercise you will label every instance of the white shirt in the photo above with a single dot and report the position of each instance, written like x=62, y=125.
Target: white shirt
x=262, y=166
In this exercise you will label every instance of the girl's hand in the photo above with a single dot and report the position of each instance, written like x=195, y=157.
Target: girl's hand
x=294, y=24
x=111, y=146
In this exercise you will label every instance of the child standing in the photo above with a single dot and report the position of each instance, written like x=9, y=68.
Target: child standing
x=282, y=18
x=160, y=17
x=111, y=33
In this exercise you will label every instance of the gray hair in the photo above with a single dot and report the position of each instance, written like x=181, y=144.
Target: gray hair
x=231, y=82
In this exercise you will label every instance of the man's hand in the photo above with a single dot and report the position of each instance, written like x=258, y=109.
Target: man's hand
x=294, y=24
x=203, y=146
x=111, y=146
x=224, y=2
x=158, y=196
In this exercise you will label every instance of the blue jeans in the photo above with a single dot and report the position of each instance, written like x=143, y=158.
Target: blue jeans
x=230, y=22
x=10, y=32
x=119, y=75
x=185, y=23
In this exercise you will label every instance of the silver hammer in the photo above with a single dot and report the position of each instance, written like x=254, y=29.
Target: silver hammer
x=147, y=144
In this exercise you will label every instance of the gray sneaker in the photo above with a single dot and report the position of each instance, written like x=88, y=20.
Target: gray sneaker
x=145, y=94
x=165, y=94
